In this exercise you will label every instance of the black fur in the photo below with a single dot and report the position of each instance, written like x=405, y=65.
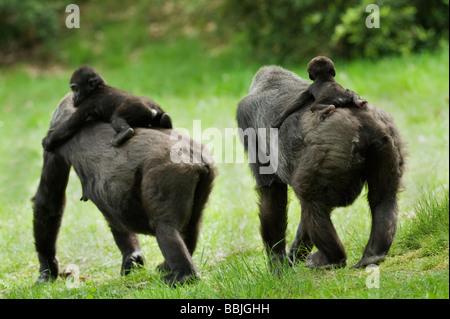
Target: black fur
x=94, y=99
x=328, y=94
x=327, y=161
x=137, y=188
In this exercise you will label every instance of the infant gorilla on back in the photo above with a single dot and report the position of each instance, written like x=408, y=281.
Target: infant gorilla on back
x=94, y=99
x=328, y=93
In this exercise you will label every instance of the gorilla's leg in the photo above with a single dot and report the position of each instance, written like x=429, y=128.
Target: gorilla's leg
x=123, y=129
x=191, y=231
x=176, y=254
x=128, y=244
x=166, y=121
x=48, y=209
x=301, y=245
x=168, y=196
x=190, y=234
x=201, y=194
x=316, y=220
x=273, y=218
x=327, y=110
x=383, y=179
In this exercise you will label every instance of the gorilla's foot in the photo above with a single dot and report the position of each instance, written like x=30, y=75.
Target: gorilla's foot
x=318, y=260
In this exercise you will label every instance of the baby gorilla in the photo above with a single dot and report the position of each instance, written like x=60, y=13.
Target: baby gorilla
x=96, y=100
x=328, y=94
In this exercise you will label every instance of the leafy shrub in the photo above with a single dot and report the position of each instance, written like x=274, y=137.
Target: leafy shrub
x=405, y=27
x=273, y=31
x=26, y=23
x=290, y=30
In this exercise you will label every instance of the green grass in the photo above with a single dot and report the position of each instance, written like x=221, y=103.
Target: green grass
x=192, y=81
x=427, y=229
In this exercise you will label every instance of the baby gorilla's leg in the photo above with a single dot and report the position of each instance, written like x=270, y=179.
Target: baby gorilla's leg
x=360, y=102
x=326, y=111
x=323, y=109
x=166, y=121
x=123, y=129
x=122, y=136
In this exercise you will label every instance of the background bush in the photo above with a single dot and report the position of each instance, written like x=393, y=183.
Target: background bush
x=289, y=30
x=25, y=24
x=280, y=31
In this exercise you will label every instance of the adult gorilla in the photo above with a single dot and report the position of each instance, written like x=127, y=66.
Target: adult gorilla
x=326, y=159
x=137, y=187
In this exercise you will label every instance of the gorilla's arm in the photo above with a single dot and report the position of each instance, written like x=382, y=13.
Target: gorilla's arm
x=66, y=130
x=48, y=208
x=299, y=102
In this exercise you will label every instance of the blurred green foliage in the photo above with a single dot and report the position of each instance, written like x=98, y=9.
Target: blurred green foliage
x=405, y=26
x=26, y=23
x=281, y=31
x=289, y=30
x=36, y=30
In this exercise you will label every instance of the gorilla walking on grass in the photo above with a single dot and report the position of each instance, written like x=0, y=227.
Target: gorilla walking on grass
x=327, y=160
x=137, y=187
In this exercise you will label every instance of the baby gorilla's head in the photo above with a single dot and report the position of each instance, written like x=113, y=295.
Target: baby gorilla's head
x=321, y=67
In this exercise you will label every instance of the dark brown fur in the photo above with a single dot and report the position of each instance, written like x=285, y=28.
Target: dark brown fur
x=137, y=188
x=327, y=161
x=328, y=93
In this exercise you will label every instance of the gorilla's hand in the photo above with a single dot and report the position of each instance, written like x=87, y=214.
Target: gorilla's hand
x=47, y=142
